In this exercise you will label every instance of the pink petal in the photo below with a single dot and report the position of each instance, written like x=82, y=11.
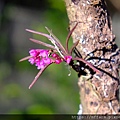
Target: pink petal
x=44, y=53
x=58, y=61
x=54, y=55
x=33, y=52
x=32, y=60
x=47, y=60
x=68, y=59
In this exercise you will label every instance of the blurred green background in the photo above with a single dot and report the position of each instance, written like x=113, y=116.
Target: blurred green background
x=55, y=91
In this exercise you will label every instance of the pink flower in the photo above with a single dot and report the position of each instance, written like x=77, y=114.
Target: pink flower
x=58, y=61
x=47, y=60
x=33, y=52
x=54, y=55
x=39, y=57
x=68, y=59
x=40, y=64
x=32, y=60
x=44, y=53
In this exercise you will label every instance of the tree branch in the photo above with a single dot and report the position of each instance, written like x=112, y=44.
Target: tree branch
x=97, y=45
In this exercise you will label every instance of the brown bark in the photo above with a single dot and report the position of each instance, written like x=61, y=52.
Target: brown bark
x=98, y=92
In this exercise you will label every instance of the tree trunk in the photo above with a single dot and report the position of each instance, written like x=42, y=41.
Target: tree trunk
x=98, y=91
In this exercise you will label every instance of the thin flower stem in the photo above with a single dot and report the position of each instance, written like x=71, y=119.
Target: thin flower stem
x=75, y=44
x=25, y=58
x=89, y=64
x=68, y=37
x=38, y=75
x=56, y=40
x=42, y=43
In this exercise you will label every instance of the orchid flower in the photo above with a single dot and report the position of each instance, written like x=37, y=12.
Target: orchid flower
x=56, y=53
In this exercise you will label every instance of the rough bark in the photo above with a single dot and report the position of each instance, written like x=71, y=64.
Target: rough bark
x=98, y=92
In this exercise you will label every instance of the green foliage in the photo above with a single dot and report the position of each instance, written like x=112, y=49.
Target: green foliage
x=57, y=4
x=39, y=109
